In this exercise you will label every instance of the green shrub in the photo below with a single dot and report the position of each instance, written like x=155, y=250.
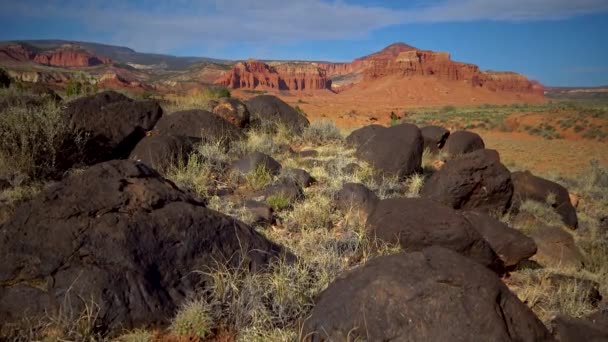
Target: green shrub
x=258, y=178
x=74, y=88
x=278, y=202
x=221, y=92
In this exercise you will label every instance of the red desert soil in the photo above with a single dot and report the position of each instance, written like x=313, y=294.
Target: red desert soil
x=543, y=156
x=373, y=101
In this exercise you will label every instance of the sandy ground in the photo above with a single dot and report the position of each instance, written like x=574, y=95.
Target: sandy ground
x=537, y=154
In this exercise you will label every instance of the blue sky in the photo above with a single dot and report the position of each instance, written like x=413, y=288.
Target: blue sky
x=558, y=42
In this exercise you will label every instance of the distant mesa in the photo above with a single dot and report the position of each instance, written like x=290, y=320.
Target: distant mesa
x=398, y=59
x=292, y=76
x=67, y=55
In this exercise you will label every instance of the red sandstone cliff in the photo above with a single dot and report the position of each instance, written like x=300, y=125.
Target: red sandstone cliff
x=65, y=56
x=70, y=56
x=396, y=59
x=280, y=76
x=15, y=53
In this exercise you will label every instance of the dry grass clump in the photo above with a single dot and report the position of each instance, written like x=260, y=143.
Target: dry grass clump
x=314, y=212
x=228, y=207
x=137, y=335
x=414, y=184
x=33, y=140
x=193, y=319
x=322, y=132
x=570, y=297
x=548, y=298
x=196, y=175
x=196, y=100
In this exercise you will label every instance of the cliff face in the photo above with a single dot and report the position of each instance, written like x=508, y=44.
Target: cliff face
x=280, y=76
x=65, y=56
x=15, y=53
x=70, y=57
x=395, y=60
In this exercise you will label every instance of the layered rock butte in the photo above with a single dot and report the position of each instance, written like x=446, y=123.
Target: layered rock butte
x=395, y=60
x=68, y=56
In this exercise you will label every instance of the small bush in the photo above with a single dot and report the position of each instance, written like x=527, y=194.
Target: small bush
x=315, y=212
x=278, y=202
x=74, y=88
x=322, y=132
x=35, y=141
x=195, y=175
x=193, y=320
x=259, y=178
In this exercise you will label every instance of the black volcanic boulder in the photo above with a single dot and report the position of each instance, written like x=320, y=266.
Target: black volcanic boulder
x=199, y=124
x=395, y=152
x=434, y=137
x=556, y=247
x=233, y=111
x=111, y=124
x=119, y=238
x=363, y=135
x=473, y=180
x=461, y=142
x=417, y=223
x=510, y=244
x=531, y=187
x=302, y=177
x=356, y=197
x=161, y=151
x=254, y=161
x=268, y=110
x=570, y=329
x=285, y=187
x=432, y=295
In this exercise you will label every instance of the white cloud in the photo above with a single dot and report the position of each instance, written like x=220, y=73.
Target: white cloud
x=165, y=24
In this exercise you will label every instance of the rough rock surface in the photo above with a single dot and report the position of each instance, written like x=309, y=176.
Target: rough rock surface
x=302, y=177
x=256, y=160
x=363, y=135
x=417, y=223
x=198, y=124
x=160, y=151
x=461, y=142
x=111, y=124
x=530, y=187
x=571, y=329
x=510, y=244
x=432, y=295
x=286, y=187
x=120, y=237
x=394, y=151
x=473, y=180
x=356, y=197
x=556, y=247
x=262, y=213
x=434, y=137
x=233, y=111
x=266, y=110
